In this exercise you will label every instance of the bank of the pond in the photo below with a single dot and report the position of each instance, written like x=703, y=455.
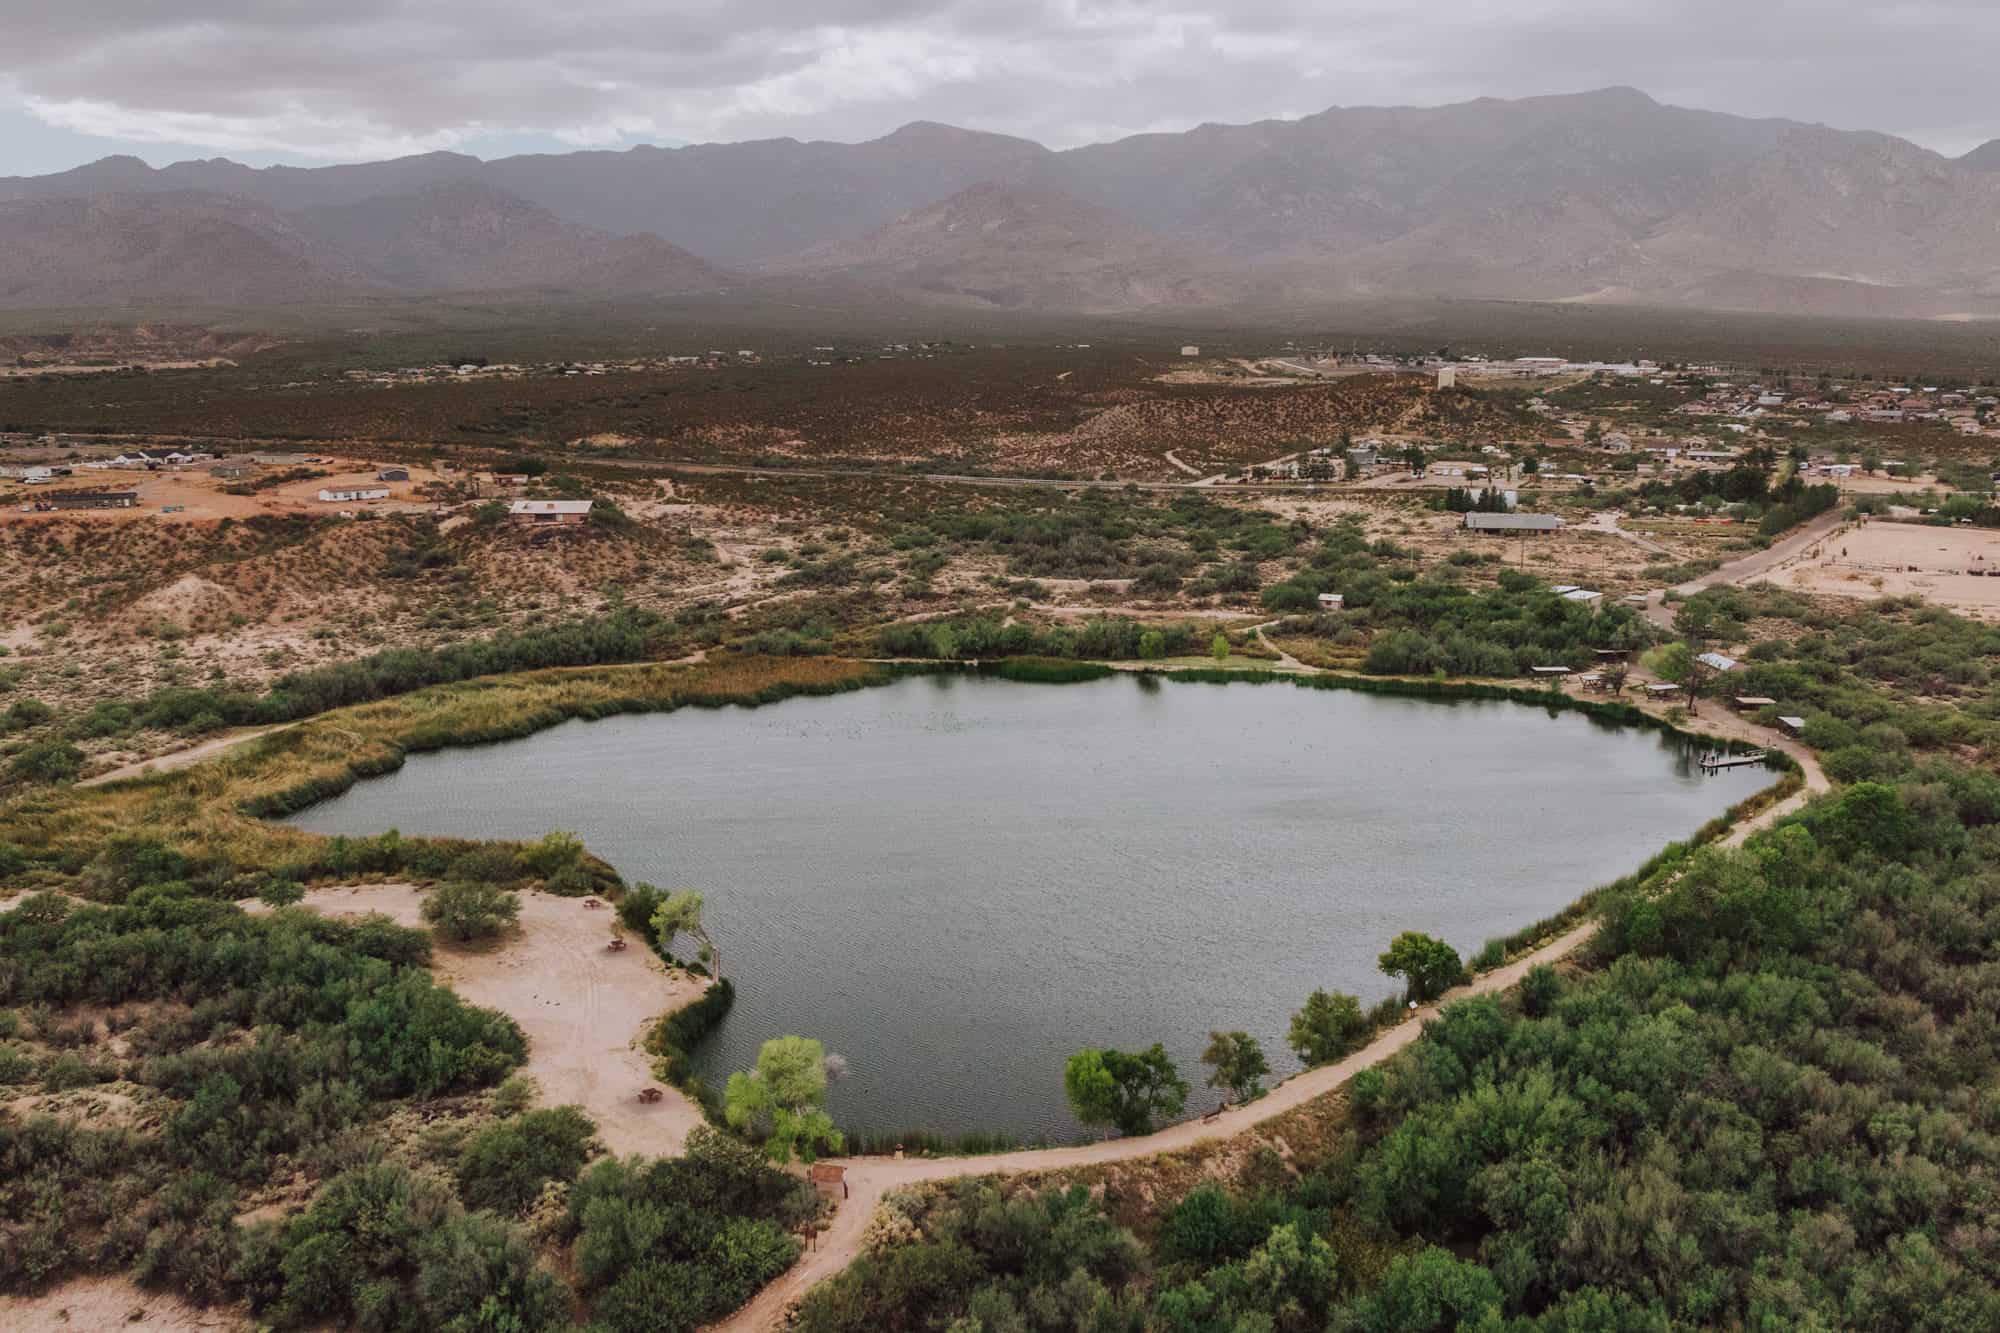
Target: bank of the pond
x=955, y=887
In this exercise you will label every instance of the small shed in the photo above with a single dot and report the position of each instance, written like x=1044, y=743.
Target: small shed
x=1190, y=350
x=1717, y=661
x=1792, y=725
x=393, y=474
x=829, y=1176
x=1750, y=703
x=1332, y=601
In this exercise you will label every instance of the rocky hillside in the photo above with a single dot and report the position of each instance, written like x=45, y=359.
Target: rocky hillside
x=1605, y=197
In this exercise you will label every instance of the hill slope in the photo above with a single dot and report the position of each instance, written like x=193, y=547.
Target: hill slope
x=1606, y=196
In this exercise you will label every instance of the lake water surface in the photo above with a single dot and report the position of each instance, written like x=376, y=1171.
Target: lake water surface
x=956, y=881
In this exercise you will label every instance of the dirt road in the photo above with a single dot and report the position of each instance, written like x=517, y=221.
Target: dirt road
x=1750, y=567
x=194, y=754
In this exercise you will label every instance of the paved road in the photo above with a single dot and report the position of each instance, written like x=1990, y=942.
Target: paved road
x=1750, y=566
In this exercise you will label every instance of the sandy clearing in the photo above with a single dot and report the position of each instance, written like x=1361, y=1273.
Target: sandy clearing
x=585, y=1011
x=1882, y=559
x=104, y=1304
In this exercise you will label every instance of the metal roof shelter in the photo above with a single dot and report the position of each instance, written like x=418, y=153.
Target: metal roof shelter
x=1512, y=523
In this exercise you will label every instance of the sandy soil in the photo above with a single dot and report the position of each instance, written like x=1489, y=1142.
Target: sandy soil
x=585, y=1011
x=1897, y=559
x=200, y=496
x=103, y=1304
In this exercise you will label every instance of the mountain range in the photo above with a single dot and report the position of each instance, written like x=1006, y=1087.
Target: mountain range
x=1604, y=197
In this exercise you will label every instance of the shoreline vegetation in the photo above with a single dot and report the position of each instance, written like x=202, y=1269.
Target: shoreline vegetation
x=226, y=845
x=202, y=836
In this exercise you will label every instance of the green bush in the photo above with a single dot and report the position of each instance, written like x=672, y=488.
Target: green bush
x=504, y=1166
x=466, y=911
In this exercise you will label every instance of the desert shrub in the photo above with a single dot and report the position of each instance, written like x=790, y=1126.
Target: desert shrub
x=47, y=761
x=465, y=910
x=504, y=1166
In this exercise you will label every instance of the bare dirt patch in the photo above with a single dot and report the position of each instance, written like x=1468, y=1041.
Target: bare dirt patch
x=1903, y=559
x=105, y=1304
x=584, y=1009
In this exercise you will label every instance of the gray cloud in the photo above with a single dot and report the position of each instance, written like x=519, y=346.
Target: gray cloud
x=367, y=78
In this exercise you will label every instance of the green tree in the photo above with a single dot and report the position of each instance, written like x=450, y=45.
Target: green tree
x=1238, y=1064
x=1427, y=966
x=1152, y=645
x=1219, y=647
x=466, y=910
x=783, y=1100
x=1329, y=1026
x=680, y=914
x=1122, y=1089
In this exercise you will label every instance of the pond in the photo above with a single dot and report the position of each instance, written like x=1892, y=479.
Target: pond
x=955, y=881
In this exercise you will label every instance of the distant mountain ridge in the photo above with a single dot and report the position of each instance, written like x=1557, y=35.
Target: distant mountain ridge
x=1600, y=197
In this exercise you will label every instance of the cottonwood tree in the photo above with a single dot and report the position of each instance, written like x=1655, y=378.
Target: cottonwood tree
x=783, y=1100
x=680, y=914
x=1428, y=967
x=1122, y=1089
x=1238, y=1063
x=1329, y=1026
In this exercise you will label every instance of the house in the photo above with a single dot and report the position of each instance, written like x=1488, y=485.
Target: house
x=1190, y=350
x=233, y=469
x=542, y=513
x=1521, y=524
x=393, y=474
x=1716, y=661
x=1332, y=601
x=156, y=458
x=1582, y=595
x=1792, y=725
x=350, y=494
x=510, y=479
x=88, y=500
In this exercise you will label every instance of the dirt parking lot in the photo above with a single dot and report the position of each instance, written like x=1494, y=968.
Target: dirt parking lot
x=1898, y=559
x=190, y=494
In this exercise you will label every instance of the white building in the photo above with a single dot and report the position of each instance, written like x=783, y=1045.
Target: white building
x=350, y=495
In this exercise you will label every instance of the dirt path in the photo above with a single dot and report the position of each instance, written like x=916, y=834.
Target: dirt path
x=104, y=1304
x=1607, y=521
x=194, y=754
x=585, y=1011
x=1173, y=458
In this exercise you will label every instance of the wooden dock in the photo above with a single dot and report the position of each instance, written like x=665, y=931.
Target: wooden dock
x=1716, y=762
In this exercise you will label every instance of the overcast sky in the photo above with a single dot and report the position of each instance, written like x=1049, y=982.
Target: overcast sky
x=312, y=81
